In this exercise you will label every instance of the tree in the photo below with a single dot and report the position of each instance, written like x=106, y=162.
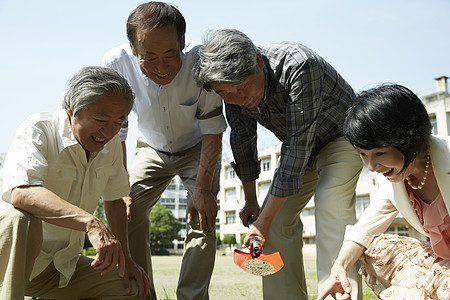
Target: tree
x=218, y=241
x=229, y=239
x=164, y=229
x=99, y=213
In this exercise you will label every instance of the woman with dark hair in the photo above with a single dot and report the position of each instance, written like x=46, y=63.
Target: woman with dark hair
x=390, y=128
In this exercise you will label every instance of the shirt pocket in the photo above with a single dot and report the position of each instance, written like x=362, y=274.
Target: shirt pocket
x=102, y=175
x=188, y=109
x=61, y=180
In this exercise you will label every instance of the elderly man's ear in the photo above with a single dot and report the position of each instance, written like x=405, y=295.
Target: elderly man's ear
x=259, y=61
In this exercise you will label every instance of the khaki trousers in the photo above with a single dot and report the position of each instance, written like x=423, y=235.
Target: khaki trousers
x=332, y=182
x=20, y=243
x=151, y=172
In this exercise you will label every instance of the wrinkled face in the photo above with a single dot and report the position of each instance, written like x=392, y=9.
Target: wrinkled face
x=248, y=93
x=386, y=160
x=159, y=53
x=97, y=124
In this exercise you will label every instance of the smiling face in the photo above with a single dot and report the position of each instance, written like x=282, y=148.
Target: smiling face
x=386, y=160
x=248, y=93
x=159, y=53
x=97, y=124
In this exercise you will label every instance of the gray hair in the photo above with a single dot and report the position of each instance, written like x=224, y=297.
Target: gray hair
x=90, y=83
x=227, y=55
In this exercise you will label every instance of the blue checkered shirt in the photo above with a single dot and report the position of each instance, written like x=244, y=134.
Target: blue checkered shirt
x=304, y=106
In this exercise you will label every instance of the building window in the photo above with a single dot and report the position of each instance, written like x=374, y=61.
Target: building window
x=172, y=187
x=308, y=212
x=309, y=240
x=230, y=173
x=401, y=230
x=166, y=200
x=362, y=202
x=265, y=164
x=230, y=195
x=263, y=188
x=230, y=217
x=433, y=122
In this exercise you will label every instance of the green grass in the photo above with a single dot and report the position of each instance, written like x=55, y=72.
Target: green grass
x=228, y=281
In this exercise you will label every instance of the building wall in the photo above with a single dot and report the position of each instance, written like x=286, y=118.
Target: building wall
x=175, y=198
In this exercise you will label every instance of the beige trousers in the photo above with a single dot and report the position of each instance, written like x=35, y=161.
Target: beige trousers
x=151, y=173
x=332, y=182
x=20, y=243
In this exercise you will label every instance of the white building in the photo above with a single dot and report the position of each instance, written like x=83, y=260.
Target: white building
x=232, y=195
x=175, y=198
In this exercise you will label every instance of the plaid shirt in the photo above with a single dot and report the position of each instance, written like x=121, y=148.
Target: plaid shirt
x=304, y=106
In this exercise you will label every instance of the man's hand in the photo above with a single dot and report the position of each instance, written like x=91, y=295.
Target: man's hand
x=251, y=208
x=204, y=203
x=337, y=285
x=259, y=230
x=129, y=204
x=108, y=248
x=132, y=270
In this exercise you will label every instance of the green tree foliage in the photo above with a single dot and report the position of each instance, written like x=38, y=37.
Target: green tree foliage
x=164, y=228
x=218, y=240
x=99, y=213
x=229, y=239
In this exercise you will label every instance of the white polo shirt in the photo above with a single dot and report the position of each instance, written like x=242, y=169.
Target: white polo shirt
x=171, y=117
x=44, y=152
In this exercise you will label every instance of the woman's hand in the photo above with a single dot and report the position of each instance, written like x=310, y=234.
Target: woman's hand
x=337, y=285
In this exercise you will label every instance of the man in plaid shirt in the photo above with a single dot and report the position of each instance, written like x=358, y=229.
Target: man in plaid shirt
x=296, y=94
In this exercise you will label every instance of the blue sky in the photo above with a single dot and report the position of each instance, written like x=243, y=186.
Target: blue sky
x=369, y=42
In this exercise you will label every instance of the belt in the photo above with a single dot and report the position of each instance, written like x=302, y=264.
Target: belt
x=179, y=153
x=141, y=143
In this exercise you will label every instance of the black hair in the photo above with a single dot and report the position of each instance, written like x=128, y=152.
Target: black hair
x=390, y=115
x=155, y=14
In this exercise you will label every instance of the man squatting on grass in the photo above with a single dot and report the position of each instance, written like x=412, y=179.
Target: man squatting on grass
x=57, y=168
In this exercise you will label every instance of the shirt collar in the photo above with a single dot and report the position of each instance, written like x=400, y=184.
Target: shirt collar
x=67, y=139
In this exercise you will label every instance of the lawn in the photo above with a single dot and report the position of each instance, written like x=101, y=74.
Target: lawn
x=228, y=281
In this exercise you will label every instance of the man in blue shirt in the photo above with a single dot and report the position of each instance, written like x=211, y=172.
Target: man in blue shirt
x=296, y=94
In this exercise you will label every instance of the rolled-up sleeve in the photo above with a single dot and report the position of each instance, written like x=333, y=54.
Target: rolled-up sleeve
x=210, y=113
